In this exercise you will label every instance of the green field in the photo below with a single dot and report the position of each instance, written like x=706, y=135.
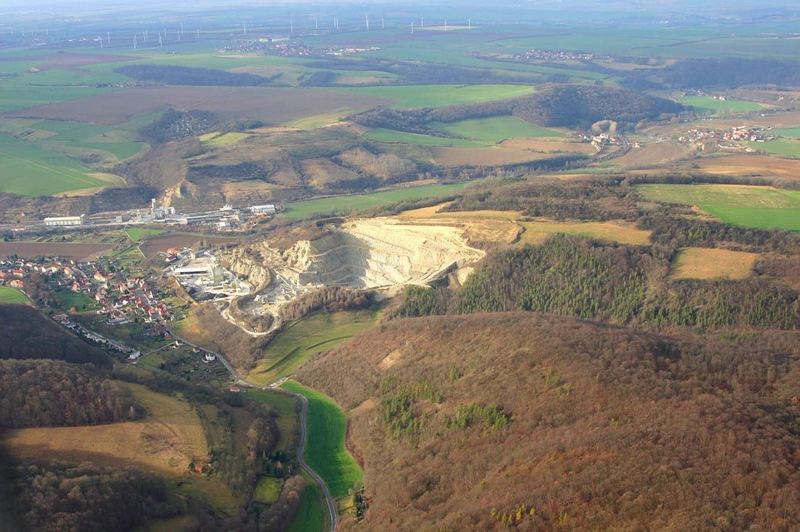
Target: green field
x=29, y=170
x=342, y=205
x=286, y=407
x=416, y=96
x=12, y=296
x=137, y=234
x=788, y=132
x=325, y=451
x=268, y=489
x=77, y=300
x=391, y=136
x=497, y=129
x=309, y=516
x=301, y=339
x=757, y=207
x=707, y=104
x=784, y=147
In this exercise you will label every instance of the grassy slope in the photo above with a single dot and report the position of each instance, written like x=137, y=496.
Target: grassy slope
x=301, y=339
x=758, y=207
x=784, y=147
x=353, y=203
x=12, y=296
x=29, y=170
x=309, y=516
x=325, y=451
x=415, y=96
x=497, y=129
x=401, y=137
x=707, y=104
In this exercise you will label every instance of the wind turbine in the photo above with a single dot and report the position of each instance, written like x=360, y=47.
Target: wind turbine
x=383, y=23
x=366, y=21
x=108, y=38
x=135, y=45
x=412, y=27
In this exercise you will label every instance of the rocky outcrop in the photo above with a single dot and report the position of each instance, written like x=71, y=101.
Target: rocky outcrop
x=248, y=264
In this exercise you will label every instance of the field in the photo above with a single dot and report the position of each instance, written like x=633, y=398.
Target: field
x=359, y=202
x=268, y=489
x=273, y=105
x=299, y=340
x=286, y=406
x=709, y=105
x=166, y=441
x=12, y=296
x=416, y=96
x=493, y=156
x=137, y=234
x=390, y=136
x=497, y=129
x=326, y=452
x=538, y=231
x=309, y=516
x=708, y=263
x=71, y=300
x=748, y=206
x=69, y=250
x=783, y=147
x=750, y=165
x=220, y=140
x=30, y=170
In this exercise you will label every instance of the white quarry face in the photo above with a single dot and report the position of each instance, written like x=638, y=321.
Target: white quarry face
x=381, y=253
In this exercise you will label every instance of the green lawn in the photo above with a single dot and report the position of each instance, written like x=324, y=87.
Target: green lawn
x=707, y=104
x=342, y=205
x=391, y=136
x=310, y=516
x=12, y=296
x=77, y=300
x=784, y=147
x=137, y=234
x=268, y=489
x=416, y=96
x=325, y=450
x=116, y=141
x=497, y=129
x=299, y=340
x=757, y=207
x=29, y=170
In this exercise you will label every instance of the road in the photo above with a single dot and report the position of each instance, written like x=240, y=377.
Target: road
x=330, y=503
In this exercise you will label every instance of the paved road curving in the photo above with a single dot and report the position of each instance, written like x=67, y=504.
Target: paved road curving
x=330, y=503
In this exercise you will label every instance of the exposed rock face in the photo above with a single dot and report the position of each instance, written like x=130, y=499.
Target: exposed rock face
x=248, y=264
x=380, y=252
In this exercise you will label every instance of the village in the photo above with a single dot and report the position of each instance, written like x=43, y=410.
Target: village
x=733, y=139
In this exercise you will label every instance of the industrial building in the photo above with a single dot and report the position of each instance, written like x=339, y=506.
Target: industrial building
x=61, y=221
x=263, y=209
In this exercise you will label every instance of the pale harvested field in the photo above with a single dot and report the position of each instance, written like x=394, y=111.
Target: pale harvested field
x=69, y=250
x=166, y=441
x=497, y=227
x=273, y=105
x=750, y=165
x=654, y=155
x=495, y=156
x=546, y=145
x=706, y=263
x=536, y=232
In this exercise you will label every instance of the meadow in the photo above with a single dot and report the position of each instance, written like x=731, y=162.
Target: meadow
x=12, y=296
x=748, y=206
x=309, y=515
x=300, y=340
x=782, y=147
x=417, y=96
x=325, y=451
x=496, y=129
x=359, y=202
x=268, y=489
x=536, y=232
x=30, y=170
x=709, y=105
x=390, y=136
x=712, y=263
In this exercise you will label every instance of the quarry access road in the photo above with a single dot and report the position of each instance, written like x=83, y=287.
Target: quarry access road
x=330, y=503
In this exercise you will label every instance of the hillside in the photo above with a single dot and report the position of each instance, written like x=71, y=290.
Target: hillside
x=26, y=333
x=482, y=421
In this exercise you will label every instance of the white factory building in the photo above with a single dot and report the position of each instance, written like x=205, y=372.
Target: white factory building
x=60, y=221
x=263, y=209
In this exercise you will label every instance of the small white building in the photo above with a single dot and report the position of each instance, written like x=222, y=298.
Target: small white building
x=60, y=221
x=263, y=209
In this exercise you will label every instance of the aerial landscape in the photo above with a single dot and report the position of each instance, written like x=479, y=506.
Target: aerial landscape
x=378, y=265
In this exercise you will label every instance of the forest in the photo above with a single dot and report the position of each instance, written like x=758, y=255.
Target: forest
x=49, y=393
x=182, y=75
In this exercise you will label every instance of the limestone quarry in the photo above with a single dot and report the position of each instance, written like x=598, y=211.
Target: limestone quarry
x=377, y=253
